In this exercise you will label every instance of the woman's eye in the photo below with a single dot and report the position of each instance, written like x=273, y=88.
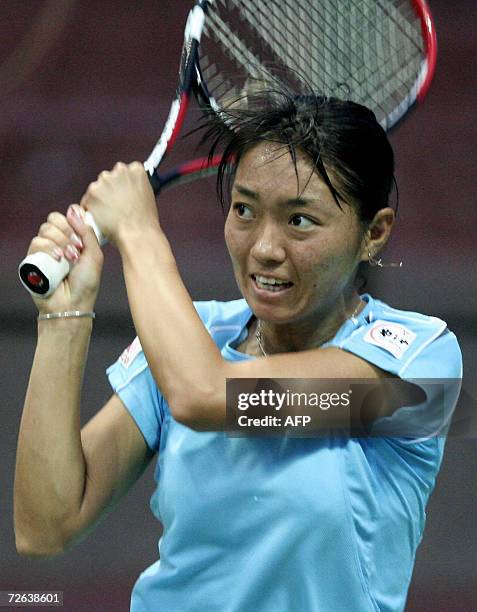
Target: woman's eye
x=243, y=211
x=301, y=222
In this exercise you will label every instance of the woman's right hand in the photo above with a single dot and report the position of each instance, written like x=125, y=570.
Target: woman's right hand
x=70, y=237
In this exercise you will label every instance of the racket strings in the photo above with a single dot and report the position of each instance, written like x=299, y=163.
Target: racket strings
x=348, y=55
x=384, y=43
x=240, y=55
x=373, y=48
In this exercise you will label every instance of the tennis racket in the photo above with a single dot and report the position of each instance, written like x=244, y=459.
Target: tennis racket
x=379, y=53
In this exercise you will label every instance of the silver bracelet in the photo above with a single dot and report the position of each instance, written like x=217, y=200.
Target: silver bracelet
x=68, y=314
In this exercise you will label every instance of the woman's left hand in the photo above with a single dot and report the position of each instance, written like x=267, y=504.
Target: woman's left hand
x=122, y=201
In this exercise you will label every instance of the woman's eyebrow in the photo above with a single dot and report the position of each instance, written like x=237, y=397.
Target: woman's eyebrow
x=298, y=201
x=246, y=191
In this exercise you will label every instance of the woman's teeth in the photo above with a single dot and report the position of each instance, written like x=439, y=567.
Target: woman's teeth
x=271, y=284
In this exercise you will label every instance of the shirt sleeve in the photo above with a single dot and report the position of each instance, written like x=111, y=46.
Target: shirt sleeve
x=420, y=350
x=132, y=380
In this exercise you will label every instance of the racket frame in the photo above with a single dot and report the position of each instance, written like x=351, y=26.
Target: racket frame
x=430, y=42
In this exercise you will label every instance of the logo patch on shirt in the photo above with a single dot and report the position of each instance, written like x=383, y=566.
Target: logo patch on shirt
x=128, y=355
x=392, y=337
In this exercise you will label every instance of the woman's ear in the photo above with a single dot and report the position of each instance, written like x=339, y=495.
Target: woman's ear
x=378, y=233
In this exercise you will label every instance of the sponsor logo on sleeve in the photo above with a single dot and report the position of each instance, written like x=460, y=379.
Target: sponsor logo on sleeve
x=392, y=337
x=129, y=354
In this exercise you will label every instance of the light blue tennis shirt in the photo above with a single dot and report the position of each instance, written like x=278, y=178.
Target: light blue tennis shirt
x=290, y=524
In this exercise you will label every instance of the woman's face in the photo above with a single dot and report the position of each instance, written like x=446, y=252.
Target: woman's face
x=294, y=256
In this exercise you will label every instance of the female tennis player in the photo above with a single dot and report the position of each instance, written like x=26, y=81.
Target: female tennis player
x=272, y=524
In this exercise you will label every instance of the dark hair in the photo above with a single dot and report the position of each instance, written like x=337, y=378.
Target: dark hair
x=344, y=141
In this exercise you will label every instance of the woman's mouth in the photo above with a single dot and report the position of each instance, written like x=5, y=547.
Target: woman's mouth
x=270, y=283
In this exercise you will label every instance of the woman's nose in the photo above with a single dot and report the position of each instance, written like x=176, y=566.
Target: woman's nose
x=268, y=246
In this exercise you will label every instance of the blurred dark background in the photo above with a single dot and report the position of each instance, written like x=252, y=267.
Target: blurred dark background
x=85, y=83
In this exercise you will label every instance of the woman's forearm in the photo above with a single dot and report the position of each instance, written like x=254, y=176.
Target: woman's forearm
x=183, y=358
x=50, y=467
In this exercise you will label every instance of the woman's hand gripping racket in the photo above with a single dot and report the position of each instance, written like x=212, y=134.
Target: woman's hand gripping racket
x=380, y=53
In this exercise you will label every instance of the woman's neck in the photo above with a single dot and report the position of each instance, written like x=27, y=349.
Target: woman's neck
x=307, y=333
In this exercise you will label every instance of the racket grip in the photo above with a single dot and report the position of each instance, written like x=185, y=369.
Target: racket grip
x=41, y=273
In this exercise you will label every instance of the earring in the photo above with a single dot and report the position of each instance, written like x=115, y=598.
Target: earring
x=379, y=263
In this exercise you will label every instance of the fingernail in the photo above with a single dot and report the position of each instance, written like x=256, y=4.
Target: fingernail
x=77, y=211
x=76, y=240
x=57, y=253
x=71, y=253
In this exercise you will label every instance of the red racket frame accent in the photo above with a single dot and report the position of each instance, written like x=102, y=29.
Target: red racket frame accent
x=184, y=105
x=196, y=165
x=430, y=39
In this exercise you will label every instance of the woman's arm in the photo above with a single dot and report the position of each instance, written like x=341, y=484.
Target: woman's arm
x=50, y=466
x=65, y=478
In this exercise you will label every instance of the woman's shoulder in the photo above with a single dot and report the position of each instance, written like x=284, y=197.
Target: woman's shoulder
x=380, y=309
x=418, y=348
x=402, y=341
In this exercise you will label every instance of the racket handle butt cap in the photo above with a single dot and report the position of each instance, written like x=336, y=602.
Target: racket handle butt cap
x=41, y=273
